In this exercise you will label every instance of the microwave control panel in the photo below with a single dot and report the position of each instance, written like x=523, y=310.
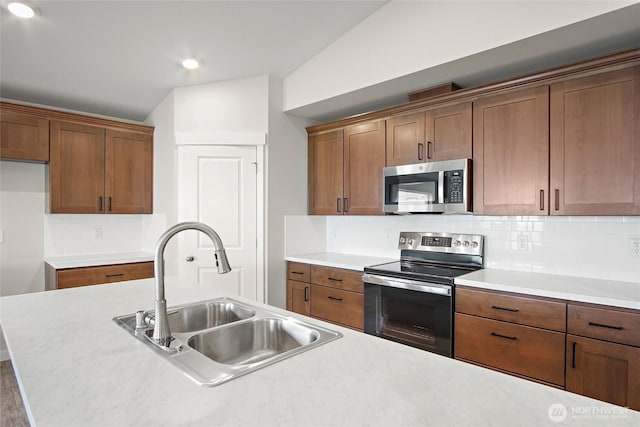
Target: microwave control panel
x=454, y=185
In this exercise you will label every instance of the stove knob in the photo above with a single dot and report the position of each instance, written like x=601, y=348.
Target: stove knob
x=466, y=244
x=458, y=243
x=474, y=244
x=402, y=240
x=410, y=241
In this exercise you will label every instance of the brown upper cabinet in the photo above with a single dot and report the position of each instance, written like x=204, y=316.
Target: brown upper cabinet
x=23, y=136
x=442, y=133
x=345, y=170
x=99, y=170
x=595, y=144
x=511, y=153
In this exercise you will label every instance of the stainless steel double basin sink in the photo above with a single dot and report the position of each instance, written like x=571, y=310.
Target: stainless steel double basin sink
x=221, y=339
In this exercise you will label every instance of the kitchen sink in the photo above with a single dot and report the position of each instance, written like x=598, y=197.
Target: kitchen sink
x=198, y=316
x=253, y=342
x=218, y=340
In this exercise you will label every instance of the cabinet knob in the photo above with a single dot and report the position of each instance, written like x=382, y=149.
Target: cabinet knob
x=190, y=258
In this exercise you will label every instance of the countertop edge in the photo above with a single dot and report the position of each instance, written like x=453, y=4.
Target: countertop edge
x=95, y=260
x=563, y=294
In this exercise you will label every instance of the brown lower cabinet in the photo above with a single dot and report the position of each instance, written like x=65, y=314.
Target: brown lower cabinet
x=604, y=370
x=603, y=354
x=85, y=276
x=331, y=294
x=587, y=349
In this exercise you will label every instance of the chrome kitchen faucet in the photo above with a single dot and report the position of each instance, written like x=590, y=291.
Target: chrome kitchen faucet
x=161, y=331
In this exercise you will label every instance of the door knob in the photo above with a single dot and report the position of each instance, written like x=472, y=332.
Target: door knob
x=190, y=258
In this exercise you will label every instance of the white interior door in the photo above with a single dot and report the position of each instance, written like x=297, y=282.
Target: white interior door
x=218, y=186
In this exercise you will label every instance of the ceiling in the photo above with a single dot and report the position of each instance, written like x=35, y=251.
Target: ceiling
x=121, y=58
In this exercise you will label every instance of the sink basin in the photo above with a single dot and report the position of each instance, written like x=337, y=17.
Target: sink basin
x=218, y=340
x=252, y=342
x=198, y=316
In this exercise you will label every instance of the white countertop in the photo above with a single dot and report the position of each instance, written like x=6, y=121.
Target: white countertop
x=92, y=260
x=596, y=291
x=76, y=367
x=339, y=260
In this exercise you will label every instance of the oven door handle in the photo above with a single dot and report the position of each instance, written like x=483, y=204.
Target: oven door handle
x=412, y=285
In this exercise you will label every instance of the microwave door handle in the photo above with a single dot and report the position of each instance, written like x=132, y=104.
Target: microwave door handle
x=441, y=187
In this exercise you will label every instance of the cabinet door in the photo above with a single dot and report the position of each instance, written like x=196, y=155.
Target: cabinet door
x=325, y=173
x=595, y=144
x=364, y=154
x=298, y=297
x=449, y=132
x=405, y=143
x=129, y=172
x=23, y=137
x=511, y=153
x=76, y=168
x=338, y=306
x=604, y=371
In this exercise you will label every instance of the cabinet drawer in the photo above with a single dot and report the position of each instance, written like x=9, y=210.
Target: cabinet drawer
x=104, y=274
x=524, y=350
x=298, y=271
x=605, y=324
x=522, y=310
x=337, y=278
x=339, y=306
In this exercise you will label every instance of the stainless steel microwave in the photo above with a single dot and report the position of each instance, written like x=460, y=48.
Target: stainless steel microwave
x=435, y=187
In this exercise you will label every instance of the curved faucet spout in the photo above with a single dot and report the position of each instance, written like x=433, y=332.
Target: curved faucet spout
x=161, y=330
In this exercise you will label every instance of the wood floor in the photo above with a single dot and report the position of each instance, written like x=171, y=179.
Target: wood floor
x=12, y=413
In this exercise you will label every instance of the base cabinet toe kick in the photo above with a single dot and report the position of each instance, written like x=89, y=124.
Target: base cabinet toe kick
x=587, y=349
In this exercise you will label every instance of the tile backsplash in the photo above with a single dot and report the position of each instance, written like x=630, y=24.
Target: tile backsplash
x=595, y=247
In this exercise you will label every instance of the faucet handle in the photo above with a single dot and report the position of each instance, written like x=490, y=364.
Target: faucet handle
x=141, y=319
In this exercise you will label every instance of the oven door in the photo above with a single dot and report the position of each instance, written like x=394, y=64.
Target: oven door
x=410, y=312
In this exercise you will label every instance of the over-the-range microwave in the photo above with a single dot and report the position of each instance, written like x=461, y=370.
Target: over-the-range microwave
x=435, y=187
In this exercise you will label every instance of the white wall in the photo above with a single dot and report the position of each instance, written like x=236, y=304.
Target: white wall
x=287, y=186
x=405, y=37
x=231, y=106
x=22, y=202
x=595, y=247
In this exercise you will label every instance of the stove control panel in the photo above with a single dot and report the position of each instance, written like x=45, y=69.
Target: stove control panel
x=471, y=244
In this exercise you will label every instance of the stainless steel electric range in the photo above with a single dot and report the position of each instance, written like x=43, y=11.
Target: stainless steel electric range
x=411, y=301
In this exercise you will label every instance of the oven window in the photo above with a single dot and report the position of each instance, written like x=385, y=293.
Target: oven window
x=418, y=319
x=419, y=189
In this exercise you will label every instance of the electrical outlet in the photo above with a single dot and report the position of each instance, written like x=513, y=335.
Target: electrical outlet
x=635, y=247
x=97, y=233
x=523, y=242
x=1, y=236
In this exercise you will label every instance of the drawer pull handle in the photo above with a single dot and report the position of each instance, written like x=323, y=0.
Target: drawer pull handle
x=600, y=325
x=306, y=293
x=504, y=336
x=513, y=310
x=334, y=298
x=334, y=280
x=573, y=355
x=297, y=272
x=114, y=275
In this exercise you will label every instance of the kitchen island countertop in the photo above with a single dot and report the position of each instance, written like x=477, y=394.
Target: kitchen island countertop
x=76, y=367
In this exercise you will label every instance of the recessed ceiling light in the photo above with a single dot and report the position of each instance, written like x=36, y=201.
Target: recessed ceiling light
x=21, y=10
x=190, y=64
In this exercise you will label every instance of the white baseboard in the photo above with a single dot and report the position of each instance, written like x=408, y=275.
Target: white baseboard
x=4, y=355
